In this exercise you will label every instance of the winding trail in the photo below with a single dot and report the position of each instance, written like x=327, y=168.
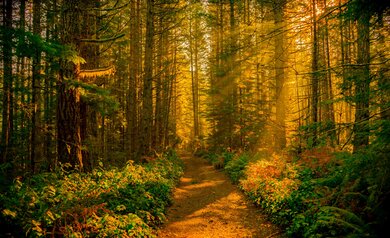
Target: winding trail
x=206, y=204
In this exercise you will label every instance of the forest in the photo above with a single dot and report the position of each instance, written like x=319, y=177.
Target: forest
x=107, y=107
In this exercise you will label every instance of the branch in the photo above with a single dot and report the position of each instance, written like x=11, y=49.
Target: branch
x=90, y=73
x=102, y=40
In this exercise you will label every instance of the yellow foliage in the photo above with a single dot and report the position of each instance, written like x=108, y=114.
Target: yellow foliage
x=36, y=226
x=92, y=73
x=274, y=178
x=10, y=213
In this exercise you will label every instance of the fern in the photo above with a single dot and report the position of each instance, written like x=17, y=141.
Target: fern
x=348, y=215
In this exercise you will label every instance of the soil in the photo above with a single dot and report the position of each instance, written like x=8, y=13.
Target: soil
x=206, y=204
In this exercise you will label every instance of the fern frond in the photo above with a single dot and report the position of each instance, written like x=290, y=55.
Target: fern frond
x=348, y=215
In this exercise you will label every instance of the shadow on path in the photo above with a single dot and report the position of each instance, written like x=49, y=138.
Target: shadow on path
x=206, y=204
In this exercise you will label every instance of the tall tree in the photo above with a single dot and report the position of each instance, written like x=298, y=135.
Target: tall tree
x=362, y=79
x=69, y=144
x=134, y=72
x=328, y=111
x=7, y=119
x=280, y=64
x=383, y=81
x=147, y=97
x=315, y=73
x=49, y=87
x=194, y=64
x=36, y=81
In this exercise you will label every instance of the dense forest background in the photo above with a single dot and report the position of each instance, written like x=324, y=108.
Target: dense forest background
x=95, y=82
x=116, y=80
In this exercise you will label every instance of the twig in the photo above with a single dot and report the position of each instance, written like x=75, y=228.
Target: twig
x=274, y=234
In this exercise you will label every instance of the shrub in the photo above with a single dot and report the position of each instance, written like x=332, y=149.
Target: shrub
x=268, y=182
x=104, y=203
x=331, y=199
x=235, y=167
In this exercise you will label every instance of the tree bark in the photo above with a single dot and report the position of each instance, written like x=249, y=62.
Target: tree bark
x=49, y=107
x=7, y=123
x=69, y=144
x=36, y=81
x=158, y=117
x=134, y=65
x=383, y=81
x=362, y=83
x=280, y=130
x=329, y=109
x=147, y=97
x=193, y=47
x=314, y=77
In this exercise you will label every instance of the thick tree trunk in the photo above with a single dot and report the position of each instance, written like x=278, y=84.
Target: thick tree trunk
x=69, y=144
x=68, y=120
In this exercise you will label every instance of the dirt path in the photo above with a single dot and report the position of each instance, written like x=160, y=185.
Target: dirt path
x=206, y=204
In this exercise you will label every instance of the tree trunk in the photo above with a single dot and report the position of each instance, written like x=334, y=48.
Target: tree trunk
x=69, y=144
x=362, y=83
x=280, y=130
x=383, y=81
x=329, y=109
x=232, y=79
x=36, y=81
x=20, y=121
x=90, y=53
x=194, y=75
x=6, y=132
x=147, y=107
x=314, y=77
x=158, y=117
x=134, y=57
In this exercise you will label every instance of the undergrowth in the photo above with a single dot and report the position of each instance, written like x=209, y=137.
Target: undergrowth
x=125, y=202
x=319, y=194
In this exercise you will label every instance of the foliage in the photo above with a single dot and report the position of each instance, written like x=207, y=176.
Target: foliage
x=99, y=98
x=33, y=44
x=211, y=157
x=315, y=134
x=344, y=202
x=104, y=203
x=235, y=166
x=320, y=194
x=269, y=181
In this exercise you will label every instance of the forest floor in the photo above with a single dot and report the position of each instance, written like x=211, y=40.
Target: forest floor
x=206, y=204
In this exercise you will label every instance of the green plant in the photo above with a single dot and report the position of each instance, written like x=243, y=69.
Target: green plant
x=103, y=203
x=235, y=167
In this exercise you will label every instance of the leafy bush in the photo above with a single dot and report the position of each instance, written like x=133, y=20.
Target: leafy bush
x=211, y=157
x=227, y=157
x=268, y=182
x=330, y=200
x=112, y=203
x=235, y=167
